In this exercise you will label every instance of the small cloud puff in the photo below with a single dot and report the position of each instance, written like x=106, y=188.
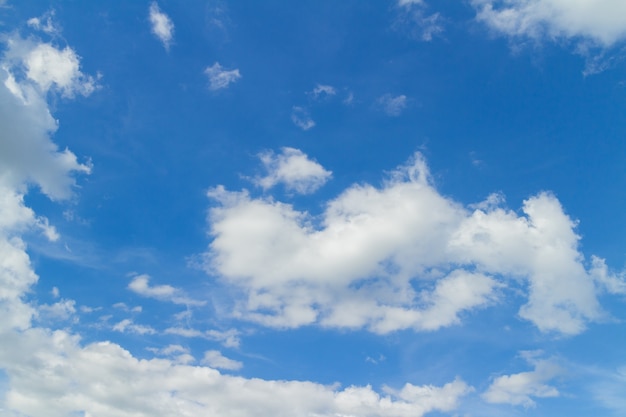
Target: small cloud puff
x=393, y=106
x=140, y=285
x=219, y=78
x=162, y=26
x=294, y=169
x=323, y=91
x=301, y=118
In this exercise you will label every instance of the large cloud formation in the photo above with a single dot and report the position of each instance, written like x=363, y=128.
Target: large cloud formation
x=400, y=256
x=50, y=372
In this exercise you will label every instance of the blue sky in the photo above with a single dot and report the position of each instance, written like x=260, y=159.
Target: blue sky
x=390, y=208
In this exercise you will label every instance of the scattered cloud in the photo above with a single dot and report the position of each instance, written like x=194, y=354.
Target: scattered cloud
x=162, y=25
x=215, y=359
x=393, y=106
x=397, y=257
x=593, y=26
x=127, y=326
x=45, y=23
x=140, y=285
x=518, y=389
x=323, y=91
x=600, y=21
x=416, y=23
x=294, y=169
x=301, y=118
x=219, y=78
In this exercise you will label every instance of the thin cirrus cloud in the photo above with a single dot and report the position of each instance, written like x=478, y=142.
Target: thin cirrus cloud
x=292, y=168
x=394, y=257
x=220, y=78
x=302, y=118
x=393, y=106
x=161, y=25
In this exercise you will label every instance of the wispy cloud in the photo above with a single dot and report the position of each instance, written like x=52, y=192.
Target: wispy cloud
x=220, y=78
x=393, y=106
x=215, y=359
x=162, y=25
x=140, y=285
x=301, y=118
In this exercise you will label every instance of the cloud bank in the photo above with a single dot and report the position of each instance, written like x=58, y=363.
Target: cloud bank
x=400, y=256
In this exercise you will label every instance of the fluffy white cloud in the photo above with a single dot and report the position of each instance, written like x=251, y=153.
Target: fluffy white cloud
x=51, y=373
x=215, y=359
x=294, y=169
x=28, y=71
x=301, y=118
x=517, y=389
x=601, y=21
x=400, y=256
x=162, y=25
x=220, y=78
x=140, y=285
x=393, y=106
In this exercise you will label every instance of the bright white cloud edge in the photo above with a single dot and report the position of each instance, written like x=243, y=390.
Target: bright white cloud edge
x=161, y=25
x=51, y=373
x=402, y=256
x=601, y=21
x=292, y=168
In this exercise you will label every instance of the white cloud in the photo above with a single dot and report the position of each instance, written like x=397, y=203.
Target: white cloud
x=228, y=338
x=301, y=118
x=127, y=326
x=399, y=256
x=323, y=91
x=220, y=78
x=517, y=389
x=45, y=23
x=294, y=169
x=393, y=106
x=413, y=21
x=28, y=70
x=140, y=285
x=61, y=310
x=600, y=21
x=215, y=359
x=162, y=26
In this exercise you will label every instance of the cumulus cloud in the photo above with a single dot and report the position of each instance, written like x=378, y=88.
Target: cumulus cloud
x=28, y=71
x=294, y=169
x=600, y=21
x=399, y=256
x=301, y=118
x=52, y=373
x=215, y=359
x=140, y=285
x=220, y=78
x=162, y=25
x=518, y=389
x=393, y=106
